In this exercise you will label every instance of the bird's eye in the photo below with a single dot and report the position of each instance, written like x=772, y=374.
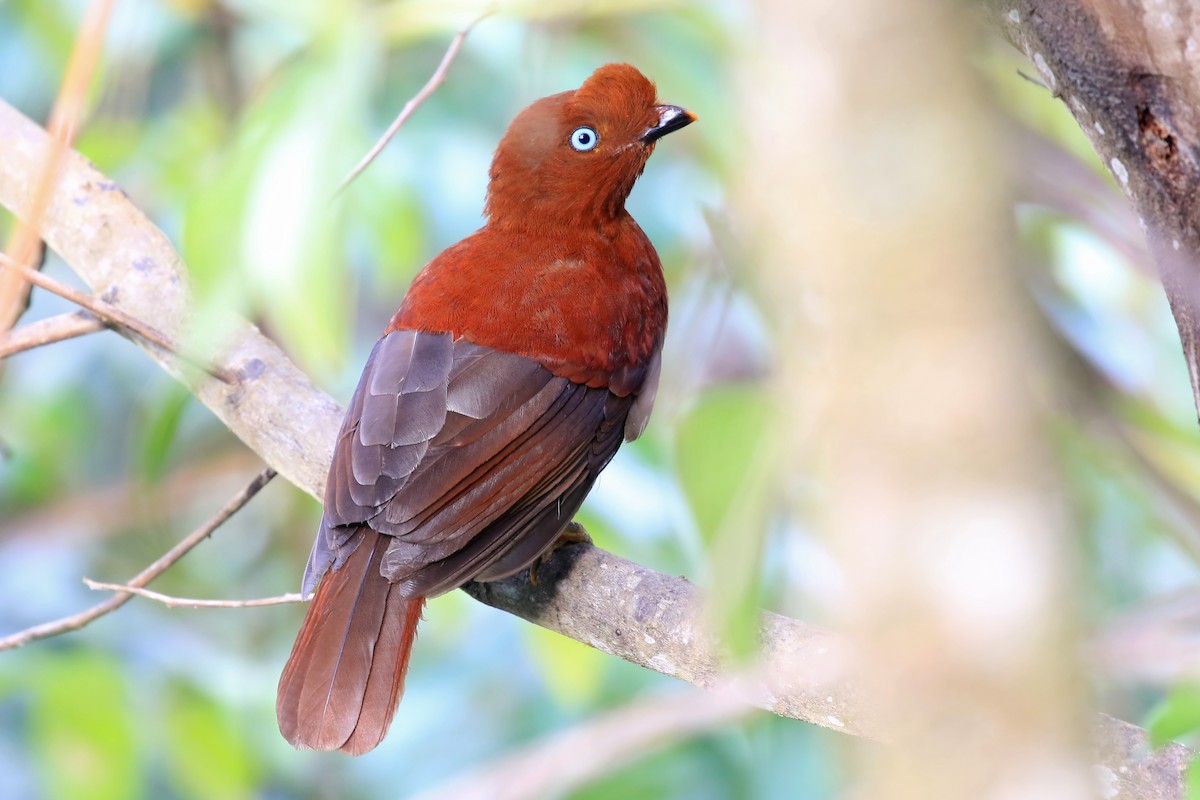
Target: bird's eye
x=584, y=138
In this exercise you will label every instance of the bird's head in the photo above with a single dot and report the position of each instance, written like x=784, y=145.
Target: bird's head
x=573, y=157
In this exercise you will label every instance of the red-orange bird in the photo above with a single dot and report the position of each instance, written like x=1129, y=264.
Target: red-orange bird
x=518, y=361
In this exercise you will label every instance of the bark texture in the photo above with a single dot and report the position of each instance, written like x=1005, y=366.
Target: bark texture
x=1129, y=71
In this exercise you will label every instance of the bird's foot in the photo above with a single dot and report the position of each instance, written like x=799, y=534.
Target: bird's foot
x=574, y=533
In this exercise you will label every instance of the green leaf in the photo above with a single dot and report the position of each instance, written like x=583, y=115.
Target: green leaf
x=1177, y=716
x=571, y=671
x=163, y=416
x=208, y=756
x=724, y=459
x=718, y=443
x=82, y=730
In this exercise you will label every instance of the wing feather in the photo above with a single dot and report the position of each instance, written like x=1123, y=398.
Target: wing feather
x=471, y=460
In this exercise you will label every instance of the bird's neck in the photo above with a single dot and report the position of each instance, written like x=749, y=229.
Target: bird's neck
x=549, y=198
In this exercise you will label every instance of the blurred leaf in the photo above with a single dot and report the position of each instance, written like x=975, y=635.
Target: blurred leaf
x=724, y=461
x=266, y=226
x=1177, y=716
x=209, y=757
x=109, y=143
x=696, y=768
x=82, y=729
x=406, y=20
x=163, y=416
x=178, y=149
x=44, y=438
x=392, y=222
x=571, y=670
x=717, y=444
x=49, y=23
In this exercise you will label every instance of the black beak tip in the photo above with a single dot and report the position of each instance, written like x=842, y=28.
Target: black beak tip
x=670, y=118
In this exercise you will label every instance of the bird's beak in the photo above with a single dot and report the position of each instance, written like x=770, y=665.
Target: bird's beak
x=670, y=118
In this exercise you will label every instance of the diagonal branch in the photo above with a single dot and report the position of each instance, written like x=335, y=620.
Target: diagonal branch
x=77, y=621
x=1127, y=72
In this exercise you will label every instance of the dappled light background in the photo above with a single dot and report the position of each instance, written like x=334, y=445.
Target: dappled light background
x=230, y=124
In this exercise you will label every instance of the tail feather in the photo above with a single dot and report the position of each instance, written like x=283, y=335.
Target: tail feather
x=343, y=680
x=386, y=681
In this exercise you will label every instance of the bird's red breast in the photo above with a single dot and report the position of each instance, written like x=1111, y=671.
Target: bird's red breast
x=587, y=305
x=518, y=362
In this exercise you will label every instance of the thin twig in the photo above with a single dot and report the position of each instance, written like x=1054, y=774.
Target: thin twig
x=187, y=602
x=47, y=331
x=77, y=621
x=111, y=313
x=64, y=124
x=1034, y=80
x=435, y=80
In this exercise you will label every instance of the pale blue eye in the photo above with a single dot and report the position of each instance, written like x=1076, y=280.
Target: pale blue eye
x=584, y=138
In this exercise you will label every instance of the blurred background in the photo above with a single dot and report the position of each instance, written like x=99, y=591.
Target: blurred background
x=230, y=125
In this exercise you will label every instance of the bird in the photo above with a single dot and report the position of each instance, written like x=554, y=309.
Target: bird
x=518, y=362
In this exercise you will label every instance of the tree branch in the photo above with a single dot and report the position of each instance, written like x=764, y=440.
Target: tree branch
x=1127, y=73
x=584, y=593
x=47, y=331
x=658, y=622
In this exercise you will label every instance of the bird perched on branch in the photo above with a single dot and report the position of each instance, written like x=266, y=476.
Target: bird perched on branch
x=519, y=360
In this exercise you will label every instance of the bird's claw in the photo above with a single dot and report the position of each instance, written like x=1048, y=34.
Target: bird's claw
x=574, y=533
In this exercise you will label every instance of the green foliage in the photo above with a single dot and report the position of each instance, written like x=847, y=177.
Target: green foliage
x=158, y=433
x=572, y=671
x=43, y=435
x=719, y=452
x=724, y=459
x=207, y=752
x=83, y=736
x=1177, y=716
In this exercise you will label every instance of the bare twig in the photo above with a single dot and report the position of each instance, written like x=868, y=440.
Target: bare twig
x=569, y=760
x=64, y=124
x=187, y=602
x=47, y=331
x=435, y=80
x=77, y=621
x=1033, y=80
x=114, y=315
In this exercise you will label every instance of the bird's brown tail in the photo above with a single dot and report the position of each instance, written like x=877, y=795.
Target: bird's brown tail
x=343, y=680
